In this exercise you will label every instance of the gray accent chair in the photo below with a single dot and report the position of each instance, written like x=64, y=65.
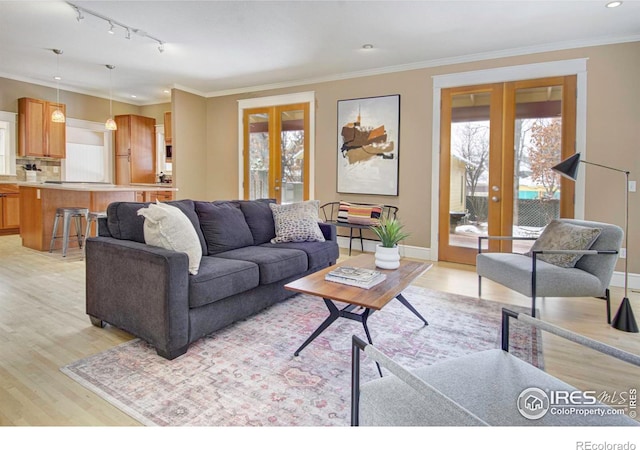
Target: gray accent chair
x=480, y=389
x=534, y=278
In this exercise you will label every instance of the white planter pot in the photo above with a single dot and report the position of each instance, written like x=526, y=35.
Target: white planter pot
x=387, y=257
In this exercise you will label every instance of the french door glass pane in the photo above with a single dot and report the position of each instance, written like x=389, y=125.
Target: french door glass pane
x=292, y=156
x=538, y=146
x=468, y=207
x=258, y=156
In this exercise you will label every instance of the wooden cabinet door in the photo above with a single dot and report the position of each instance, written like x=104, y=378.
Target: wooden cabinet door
x=143, y=149
x=56, y=137
x=123, y=136
x=123, y=170
x=31, y=127
x=11, y=211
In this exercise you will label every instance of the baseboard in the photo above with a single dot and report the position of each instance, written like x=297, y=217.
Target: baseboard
x=411, y=251
x=618, y=280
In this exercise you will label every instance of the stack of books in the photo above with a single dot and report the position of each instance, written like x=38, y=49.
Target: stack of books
x=356, y=276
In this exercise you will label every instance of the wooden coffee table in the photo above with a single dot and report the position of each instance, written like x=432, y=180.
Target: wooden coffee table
x=367, y=300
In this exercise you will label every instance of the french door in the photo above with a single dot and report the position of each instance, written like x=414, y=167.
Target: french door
x=276, y=152
x=498, y=143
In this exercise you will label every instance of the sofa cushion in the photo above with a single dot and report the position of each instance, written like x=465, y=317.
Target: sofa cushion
x=223, y=226
x=219, y=278
x=296, y=222
x=168, y=227
x=319, y=254
x=559, y=235
x=123, y=221
x=275, y=264
x=258, y=215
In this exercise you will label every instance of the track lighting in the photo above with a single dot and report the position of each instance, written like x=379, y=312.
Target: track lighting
x=114, y=23
x=57, y=115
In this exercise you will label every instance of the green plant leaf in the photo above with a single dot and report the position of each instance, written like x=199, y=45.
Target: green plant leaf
x=390, y=232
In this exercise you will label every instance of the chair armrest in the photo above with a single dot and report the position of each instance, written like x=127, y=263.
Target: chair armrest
x=566, y=334
x=573, y=252
x=503, y=238
x=328, y=230
x=423, y=388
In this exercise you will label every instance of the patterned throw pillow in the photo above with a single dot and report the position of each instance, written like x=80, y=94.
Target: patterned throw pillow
x=564, y=236
x=359, y=214
x=296, y=222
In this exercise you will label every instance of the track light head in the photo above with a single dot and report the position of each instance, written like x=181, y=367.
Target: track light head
x=111, y=30
x=161, y=47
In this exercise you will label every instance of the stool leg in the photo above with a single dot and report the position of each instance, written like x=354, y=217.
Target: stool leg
x=79, y=230
x=54, y=233
x=87, y=231
x=65, y=236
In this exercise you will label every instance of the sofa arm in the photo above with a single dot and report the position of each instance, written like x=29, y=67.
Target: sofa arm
x=141, y=289
x=329, y=231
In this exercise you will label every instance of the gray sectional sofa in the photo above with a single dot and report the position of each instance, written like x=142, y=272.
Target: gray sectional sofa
x=149, y=292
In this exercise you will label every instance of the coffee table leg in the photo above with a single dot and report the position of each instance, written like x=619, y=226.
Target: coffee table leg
x=334, y=313
x=363, y=319
x=406, y=303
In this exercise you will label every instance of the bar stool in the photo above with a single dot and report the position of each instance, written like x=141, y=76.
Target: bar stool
x=92, y=217
x=67, y=214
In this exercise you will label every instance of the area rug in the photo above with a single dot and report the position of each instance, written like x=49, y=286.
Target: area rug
x=246, y=374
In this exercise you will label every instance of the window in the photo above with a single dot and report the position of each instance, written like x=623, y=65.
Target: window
x=7, y=143
x=89, y=152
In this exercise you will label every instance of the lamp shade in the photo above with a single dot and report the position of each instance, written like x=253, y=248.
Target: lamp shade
x=569, y=167
x=58, y=116
x=110, y=124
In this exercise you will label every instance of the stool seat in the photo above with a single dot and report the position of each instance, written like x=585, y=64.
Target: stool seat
x=93, y=216
x=67, y=214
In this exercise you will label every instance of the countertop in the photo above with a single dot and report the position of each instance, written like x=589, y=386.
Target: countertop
x=98, y=187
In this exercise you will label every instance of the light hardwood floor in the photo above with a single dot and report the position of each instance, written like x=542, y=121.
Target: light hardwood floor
x=43, y=327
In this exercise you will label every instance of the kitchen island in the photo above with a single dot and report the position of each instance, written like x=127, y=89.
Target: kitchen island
x=39, y=201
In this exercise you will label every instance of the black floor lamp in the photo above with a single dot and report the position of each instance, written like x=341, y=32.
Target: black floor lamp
x=624, y=319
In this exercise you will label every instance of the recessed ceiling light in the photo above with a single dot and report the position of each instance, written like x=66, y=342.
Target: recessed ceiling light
x=614, y=4
x=134, y=96
x=367, y=46
x=57, y=78
x=167, y=91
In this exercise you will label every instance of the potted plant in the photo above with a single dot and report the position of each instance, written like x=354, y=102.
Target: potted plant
x=390, y=232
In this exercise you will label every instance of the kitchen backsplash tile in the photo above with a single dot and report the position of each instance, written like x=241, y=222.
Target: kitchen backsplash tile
x=46, y=169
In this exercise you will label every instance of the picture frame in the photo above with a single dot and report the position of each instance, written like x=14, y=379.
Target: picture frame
x=368, y=145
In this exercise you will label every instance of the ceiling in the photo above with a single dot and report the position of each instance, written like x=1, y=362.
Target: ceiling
x=221, y=47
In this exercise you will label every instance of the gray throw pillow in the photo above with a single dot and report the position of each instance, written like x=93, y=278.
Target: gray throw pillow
x=564, y=236
x=223, y=226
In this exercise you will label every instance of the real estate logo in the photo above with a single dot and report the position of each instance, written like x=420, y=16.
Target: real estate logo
x=533, y=403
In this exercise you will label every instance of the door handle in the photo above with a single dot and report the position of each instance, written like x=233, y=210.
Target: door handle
x=277, y=188
x=495, y=199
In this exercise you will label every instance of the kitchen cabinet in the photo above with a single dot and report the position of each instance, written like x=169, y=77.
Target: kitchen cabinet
x=9, y=209
x=161, y=196
x=135, y=149
x=37, y=134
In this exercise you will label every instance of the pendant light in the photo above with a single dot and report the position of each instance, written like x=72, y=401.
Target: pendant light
x=57, y=115
x=110, y=124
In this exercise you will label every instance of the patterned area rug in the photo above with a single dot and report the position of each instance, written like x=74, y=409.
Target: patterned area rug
x=246, y=374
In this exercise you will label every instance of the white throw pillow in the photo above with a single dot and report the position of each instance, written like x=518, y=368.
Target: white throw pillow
x=296, y=222
x=167, y=227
